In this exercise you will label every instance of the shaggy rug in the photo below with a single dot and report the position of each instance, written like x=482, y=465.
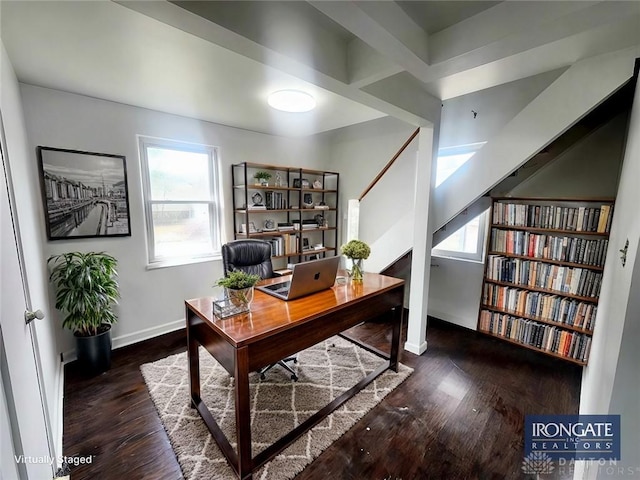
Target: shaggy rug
x=277, y=405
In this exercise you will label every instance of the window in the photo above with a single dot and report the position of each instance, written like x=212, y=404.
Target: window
x=181, y=200
x=467, y=242
x=451, y=159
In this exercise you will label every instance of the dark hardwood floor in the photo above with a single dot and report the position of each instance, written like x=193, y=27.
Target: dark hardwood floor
x=460, y=415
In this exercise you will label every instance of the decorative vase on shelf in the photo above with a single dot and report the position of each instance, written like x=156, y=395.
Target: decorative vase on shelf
x=241, y=297
x=356, y=270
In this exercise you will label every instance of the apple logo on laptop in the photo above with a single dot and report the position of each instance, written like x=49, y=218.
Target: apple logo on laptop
x=316, y=276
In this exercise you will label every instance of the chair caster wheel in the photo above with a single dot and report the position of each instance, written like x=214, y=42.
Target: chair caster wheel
x=262, y=376
x=295, y=360
x=294, y=378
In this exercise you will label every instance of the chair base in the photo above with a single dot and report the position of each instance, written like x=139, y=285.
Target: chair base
x=282, y=363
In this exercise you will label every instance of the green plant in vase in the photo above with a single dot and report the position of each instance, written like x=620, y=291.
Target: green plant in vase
x=357, y=251
x=239, y=287
x=262, y=177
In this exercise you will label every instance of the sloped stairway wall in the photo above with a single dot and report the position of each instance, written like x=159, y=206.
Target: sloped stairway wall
x=389, y=230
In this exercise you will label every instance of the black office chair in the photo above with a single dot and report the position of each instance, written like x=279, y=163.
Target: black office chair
x=253, y=256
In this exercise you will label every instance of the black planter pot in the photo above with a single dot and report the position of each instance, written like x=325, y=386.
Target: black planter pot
x=94, y=352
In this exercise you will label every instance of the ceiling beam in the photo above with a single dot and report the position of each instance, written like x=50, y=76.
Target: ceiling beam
x=385, y=27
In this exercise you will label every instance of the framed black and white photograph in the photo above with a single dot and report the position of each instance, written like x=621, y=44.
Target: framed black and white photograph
x=85, y=194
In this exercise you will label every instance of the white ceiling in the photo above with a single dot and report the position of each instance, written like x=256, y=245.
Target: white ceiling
x=218, y=61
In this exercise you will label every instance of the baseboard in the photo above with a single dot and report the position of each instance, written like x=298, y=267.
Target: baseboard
x=415, y=349
x=453, y=319
x=135, y=337
x=146, y=334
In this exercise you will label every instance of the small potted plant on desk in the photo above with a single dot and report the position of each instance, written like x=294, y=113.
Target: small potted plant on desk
x=238, y=287
x=262, y=178
x=87, y=291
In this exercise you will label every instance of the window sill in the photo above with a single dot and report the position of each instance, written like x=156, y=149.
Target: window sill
x=460, y=259
x=178, y=262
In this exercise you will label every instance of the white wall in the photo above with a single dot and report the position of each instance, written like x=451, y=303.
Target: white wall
x=359, y=153
x=495, y=107
x=589, y=169
x=152, y=300
x=625, y=399
x=613, y=307
x=454, y=293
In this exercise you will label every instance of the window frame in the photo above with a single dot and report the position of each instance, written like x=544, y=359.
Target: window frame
x=481, y=242
x=214, y=203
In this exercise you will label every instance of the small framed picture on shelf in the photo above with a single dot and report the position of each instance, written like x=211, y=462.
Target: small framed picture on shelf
x=300, y=183
x=252, y=228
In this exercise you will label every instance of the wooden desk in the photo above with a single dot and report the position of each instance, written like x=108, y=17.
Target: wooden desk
x=276, y=329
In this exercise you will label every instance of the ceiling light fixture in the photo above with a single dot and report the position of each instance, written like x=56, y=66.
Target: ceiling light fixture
x=292, y=101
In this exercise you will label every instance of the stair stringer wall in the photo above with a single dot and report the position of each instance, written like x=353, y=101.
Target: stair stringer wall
x=573, y=95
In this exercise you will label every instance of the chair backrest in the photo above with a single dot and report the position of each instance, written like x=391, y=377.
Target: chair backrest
x=250, y=255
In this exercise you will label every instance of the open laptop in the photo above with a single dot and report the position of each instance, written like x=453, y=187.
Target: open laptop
x=307, y=277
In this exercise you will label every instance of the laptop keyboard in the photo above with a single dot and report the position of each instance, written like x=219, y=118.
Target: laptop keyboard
x=279, y=287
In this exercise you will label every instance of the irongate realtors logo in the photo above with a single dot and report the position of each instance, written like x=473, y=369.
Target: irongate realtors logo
x=585, y=437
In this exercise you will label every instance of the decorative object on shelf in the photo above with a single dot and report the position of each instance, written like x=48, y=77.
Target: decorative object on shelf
x=262, y=178
x=87, y=291
x=252, y=228
x=357, y=251
x=317, y=185
x=257, y=201
x=307, y=199
x=278, y=179
x=320, y=220
x=269, y=225
x=238, y=287
x=300, y=183
x=84, y=194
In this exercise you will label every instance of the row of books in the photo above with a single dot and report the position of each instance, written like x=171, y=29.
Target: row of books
x=283, y=245
x=566, y=249
x=275, y=200
x=553, y=308
x=544, y=337
x=574, y=281
x=579, y=219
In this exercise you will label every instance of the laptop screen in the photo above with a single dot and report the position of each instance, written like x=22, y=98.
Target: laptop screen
x=307, y=277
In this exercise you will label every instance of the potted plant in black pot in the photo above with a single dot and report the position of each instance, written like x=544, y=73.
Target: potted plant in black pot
x=86, y=292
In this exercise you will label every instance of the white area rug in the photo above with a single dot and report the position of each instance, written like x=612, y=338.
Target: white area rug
x=277, y=405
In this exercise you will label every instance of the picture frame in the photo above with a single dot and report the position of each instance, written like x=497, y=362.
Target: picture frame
x=300, y=183
x=84, y=194
x=252, y=228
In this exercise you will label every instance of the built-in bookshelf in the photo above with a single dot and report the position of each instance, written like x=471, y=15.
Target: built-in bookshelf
x=294, y=209
x=543, y=273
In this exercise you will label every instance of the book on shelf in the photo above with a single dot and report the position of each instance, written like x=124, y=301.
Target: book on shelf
x=603, y=221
